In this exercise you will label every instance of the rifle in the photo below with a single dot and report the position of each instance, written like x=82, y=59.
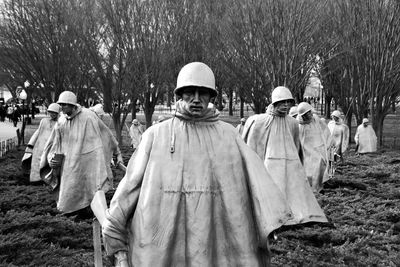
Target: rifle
x=99, y=204
x=99, y=207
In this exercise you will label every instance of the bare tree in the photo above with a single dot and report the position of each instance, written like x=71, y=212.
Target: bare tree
x=39, y=44
x=366, y=67
x=269, y=43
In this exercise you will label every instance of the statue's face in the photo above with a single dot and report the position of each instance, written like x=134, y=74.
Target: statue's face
x=53, y=115
x=196, y=100
x=308, y=116
x=283, y=106
x=67, y=108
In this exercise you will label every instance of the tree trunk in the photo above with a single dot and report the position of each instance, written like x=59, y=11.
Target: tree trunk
x=117, y=125
x=107, y=91
x=219, y=100
x=33, y=110
x=133, y=112
x=377, y=124
x=241, y=107
x=148, y=113
x=321, y=103
x=230, y=102
x=133, y=109
x=259, y=107
x=349, y=119
x=328, y=100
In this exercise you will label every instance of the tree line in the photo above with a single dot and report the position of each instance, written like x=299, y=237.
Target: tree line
x=129, y=51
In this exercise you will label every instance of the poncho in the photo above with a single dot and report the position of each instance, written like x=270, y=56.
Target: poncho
x=339, y=137
x=85, y=167
x=135, y=132
x=366, y=139
x=276, y=141
x=315, y=140
x=194, y=195
x=38, y=141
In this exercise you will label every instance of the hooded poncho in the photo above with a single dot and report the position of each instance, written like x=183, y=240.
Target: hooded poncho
x=339, y=137
x=194, y=195
x=366, y=139
x=82, y=138
x=38, y=141
x=275, y=139
x=135, y=132
x=315, y=140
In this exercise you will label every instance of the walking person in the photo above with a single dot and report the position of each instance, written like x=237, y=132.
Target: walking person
x=274, y=136
x=365, y=138
x=194, y=194
x=339, y=140
x=240, y=126
x=135, y=132
x=3, y=112
x=16, y=114
x=76, y=149
x=314, y=140
x=36, y=144
x=10, y=110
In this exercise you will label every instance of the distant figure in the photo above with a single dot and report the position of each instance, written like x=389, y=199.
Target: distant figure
x=135, y=132
x=38, y=140
x=241, y=126
x=16, y=114
x=3, y=112
x=293, y=112
x=314, y=140
x=339, y=140
x=274, y=136
x=365, y=138
x=10, y=111
x=339, y=133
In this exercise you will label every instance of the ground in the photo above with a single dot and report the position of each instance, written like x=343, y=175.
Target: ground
x=362, y=203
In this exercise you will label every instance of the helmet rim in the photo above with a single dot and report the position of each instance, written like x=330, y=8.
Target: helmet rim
x=196, y=74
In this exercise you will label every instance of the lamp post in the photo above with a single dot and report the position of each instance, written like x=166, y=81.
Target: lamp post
x=33, y=109
x=23, y=97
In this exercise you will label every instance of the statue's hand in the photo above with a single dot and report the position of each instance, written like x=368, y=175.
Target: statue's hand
x=121, y=259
